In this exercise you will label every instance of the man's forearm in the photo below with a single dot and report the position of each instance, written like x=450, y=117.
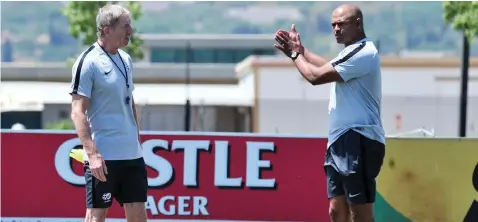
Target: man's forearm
x=314, y=59
x=84, y=133
x=305, y=68
x=316, y=75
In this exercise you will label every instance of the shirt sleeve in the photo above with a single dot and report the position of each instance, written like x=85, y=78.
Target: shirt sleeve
x=353, y=65
x=82, y=78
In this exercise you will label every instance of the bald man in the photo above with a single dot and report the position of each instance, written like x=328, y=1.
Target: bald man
x=356, y=141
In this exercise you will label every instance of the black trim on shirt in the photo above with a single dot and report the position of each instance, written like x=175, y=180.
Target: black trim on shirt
x=76, y=83
x=348, y=56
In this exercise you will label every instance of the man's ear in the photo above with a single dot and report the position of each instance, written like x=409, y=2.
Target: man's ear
x=359, y=22
x=106, y=30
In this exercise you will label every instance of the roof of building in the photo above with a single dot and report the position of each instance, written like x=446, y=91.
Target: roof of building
x=253, y=62
x=33, y=95
x=163, y=73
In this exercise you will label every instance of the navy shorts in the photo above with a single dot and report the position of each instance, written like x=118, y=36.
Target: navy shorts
x=126, y=181
x=352, y=163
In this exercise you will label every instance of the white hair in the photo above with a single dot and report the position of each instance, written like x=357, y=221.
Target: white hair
x=108, y=16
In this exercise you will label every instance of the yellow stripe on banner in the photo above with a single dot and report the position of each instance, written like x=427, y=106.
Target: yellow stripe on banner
x=429, y=180
x=77, y=154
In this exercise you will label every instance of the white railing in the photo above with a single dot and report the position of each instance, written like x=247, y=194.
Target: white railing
x=421, y=132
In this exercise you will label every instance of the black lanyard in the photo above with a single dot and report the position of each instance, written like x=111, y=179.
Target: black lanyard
x=124, y=66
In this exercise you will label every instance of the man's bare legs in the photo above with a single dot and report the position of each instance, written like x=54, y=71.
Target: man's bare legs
x=96, y=214
x=135, y=212
x=362, y=212
x=339, y=209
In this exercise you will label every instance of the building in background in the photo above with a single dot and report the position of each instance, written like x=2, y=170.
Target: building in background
x=212, y=49
x=261, y=93
x=417, y=93
x=221, y=101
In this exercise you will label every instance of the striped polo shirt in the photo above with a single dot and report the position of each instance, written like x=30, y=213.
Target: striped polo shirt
x=108, y=84
x=355, y=103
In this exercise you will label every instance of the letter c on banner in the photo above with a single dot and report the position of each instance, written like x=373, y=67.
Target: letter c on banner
x=62, y=162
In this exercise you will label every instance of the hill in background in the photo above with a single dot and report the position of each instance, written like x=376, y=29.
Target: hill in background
x=40, y=32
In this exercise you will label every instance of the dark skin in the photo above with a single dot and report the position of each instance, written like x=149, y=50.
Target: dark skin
x=348, y=29
x=347, y=25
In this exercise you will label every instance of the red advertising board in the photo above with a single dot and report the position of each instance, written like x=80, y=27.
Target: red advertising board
x=191, y=176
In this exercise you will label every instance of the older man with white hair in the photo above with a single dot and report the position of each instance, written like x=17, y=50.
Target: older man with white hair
x=104, y=115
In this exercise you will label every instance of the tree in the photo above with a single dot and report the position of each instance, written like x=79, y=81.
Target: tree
x=82, y=18
x=65, y=124
x=463, y=16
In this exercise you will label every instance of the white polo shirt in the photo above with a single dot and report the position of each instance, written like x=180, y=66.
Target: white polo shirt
x=110, y=117
x=356, y=102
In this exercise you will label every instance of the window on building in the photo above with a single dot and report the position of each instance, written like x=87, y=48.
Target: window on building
x=198, y=55
x=168, y=55
x=225, y=56
x=203, y=56
x=241, y=54
x=264, y=52
x=180, y=55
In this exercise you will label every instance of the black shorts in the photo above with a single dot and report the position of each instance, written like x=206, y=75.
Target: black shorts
x=126, y=181
x=352, y=163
